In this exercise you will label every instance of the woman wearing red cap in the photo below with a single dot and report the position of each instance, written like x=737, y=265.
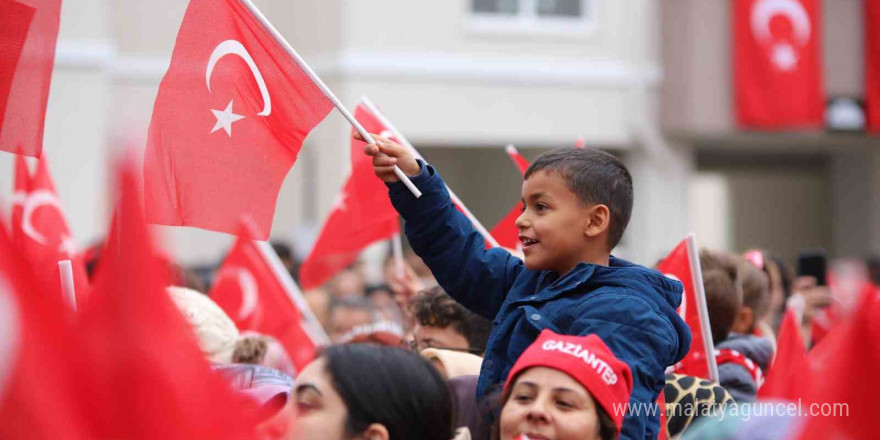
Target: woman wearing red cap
x=565, y=388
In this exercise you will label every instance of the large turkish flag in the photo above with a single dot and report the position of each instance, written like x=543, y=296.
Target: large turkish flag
x=229, y=120
x=777, y=63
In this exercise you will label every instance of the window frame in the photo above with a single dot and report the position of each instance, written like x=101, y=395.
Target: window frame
x=527, y=21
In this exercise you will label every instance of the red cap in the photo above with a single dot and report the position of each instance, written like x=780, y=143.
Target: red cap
x=588, y=361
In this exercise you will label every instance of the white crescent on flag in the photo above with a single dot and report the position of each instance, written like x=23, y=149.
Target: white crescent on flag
x=233, y=47
x=34, y=200
x=782, y=53
x=247, y=285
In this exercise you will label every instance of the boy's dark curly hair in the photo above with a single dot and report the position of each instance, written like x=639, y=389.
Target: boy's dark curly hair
x=433, y=307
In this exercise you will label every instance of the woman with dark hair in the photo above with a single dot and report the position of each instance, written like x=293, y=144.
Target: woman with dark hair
x=565, y=388
x=357, y=391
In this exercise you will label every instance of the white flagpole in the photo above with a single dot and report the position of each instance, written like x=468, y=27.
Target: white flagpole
x=313, y=326
x=65, y=270
x=384, y=120
x=397, y=250
x=327, y=92
x=700, y=293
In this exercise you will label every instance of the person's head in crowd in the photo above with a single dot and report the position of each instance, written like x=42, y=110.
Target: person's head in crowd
x=358, y=391
x=383, y=298
x=565, y=388
x=874, y=269
x=755, y=288
x=270, y=389
x=781, y=279
x=285, y=254
x=259, y=349
x=443, y=323
x=577, y=204
x=723, y=299
x=383, y=332
x=347, y=313
x=217, y=335
x=348, y=283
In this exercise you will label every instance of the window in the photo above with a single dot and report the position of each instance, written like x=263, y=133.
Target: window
x=532, y=16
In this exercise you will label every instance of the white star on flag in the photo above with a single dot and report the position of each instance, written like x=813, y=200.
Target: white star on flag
x=339, y=203
x=67, y=246
x=225, y=118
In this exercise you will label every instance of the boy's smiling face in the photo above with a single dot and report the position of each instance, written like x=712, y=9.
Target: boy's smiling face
x=556, y=229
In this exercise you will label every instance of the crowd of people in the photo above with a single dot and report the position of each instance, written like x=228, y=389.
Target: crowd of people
x=557, y=341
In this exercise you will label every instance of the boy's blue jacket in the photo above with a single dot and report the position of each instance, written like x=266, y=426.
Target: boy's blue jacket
x=630, y=307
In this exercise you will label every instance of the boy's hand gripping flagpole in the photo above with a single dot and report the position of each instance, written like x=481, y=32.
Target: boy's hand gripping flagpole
x=381, y=117
x=327, y=92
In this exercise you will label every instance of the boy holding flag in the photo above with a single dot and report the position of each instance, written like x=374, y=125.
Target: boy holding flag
x=576, y=205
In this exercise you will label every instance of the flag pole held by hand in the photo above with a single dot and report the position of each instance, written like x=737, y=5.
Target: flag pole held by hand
x=65, y=270
x=476, y=223
x=327, y=92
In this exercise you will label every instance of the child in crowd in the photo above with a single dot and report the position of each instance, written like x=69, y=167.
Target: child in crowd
x=742, y=357
x=443, y=323
x=576, y=205
x=565, y=388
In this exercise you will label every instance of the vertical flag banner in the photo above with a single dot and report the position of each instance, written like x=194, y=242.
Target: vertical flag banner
x=683, y=264
x=506, y=231
x=27, y=56
x=872, y=63
x=361, y=215
x=777, y=63
x=229, y=120
x=260, y=295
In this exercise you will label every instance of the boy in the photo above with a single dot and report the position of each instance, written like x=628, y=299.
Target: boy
x=576, y=204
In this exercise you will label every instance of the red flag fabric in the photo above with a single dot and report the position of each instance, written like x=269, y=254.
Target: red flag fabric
x=260, y=298
x=38, y=399
x=789, y=375
x=46, y=236
x=361, y=215
x=147, y=378
x=777, y=63
x=20, y=189
x=27, y=56
x=229, y=120
x=872, y=63
x=844, y=389
x=506, y=232
x=677, y=265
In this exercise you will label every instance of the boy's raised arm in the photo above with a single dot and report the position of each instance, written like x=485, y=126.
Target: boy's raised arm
x=442, y=236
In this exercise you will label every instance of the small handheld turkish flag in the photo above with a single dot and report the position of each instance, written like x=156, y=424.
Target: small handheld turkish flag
x=45, y=236
x=778, y=78
x=362, y=215
x=789, y=376
x=258, y=294
x=683, y=264
x=229, y=120
x=27, y=56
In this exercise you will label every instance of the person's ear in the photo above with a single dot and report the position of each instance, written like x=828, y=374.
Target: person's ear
x=597, y=221
x=376, y=431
